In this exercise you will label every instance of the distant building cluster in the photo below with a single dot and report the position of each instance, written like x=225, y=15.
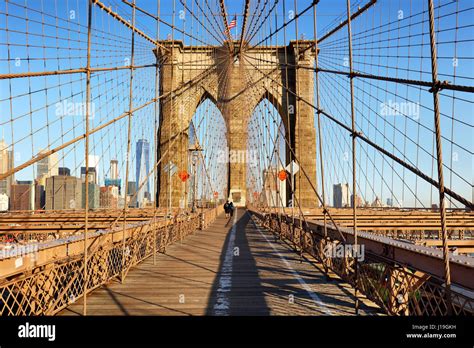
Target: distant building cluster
x=342, y=198
x=54, y=188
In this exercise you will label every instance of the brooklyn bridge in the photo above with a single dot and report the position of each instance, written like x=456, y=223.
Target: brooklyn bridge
x=340, y=132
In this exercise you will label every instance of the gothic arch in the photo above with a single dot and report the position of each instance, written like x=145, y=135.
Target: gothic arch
x=245, y=86
x=276, y=101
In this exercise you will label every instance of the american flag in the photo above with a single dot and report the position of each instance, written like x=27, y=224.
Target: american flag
x=232, y=23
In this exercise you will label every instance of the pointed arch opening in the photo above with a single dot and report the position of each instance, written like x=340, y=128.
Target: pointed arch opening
x=207, y=163
x=267, y=180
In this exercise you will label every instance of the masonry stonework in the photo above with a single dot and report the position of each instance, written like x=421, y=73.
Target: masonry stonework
x=236, y=83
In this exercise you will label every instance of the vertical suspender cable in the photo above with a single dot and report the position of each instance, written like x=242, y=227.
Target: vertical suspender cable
x=354, y=187
x=86, y=152
x=127, y=170
x=439, y=155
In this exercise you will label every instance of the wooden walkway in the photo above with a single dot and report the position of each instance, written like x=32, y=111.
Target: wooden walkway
x=232, y=268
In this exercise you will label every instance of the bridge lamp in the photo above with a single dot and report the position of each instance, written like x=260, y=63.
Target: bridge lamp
x=194, y=151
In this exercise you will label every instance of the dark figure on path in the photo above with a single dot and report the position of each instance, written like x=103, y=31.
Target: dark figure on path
x=231, y=209
x=226, y=209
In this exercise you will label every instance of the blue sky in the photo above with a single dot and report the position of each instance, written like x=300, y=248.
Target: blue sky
x=31, y=117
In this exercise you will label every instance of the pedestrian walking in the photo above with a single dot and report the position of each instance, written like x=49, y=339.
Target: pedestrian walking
x=226, y=209
x=231, y=209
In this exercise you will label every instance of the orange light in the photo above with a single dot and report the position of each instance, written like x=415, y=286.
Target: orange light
x=282, y=175
x=183, y=175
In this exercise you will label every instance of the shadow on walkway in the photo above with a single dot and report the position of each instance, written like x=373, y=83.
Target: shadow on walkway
x=237, y=289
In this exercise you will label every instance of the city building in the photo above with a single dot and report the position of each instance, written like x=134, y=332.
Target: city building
x=6, y=164
x=359, y=201
x=121, y=201
x=340, y=195
x=147, y=203
x=114, y=169
x=377, y=203
x=192, y=135
x=63, y=192
x=40, y=193
x=131, y=194
x=22, y=196
x=91, y=173
x=48, y=166
x=113, y=179
x=94, y=163
x=3, y=202
x=40, y=197
x=142, y=169
x=64, y=171
x=94, y=195
x=114, y=182
x=109, y=197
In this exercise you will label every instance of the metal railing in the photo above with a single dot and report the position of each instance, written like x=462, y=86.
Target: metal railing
x=398, y=288
x=51, y=282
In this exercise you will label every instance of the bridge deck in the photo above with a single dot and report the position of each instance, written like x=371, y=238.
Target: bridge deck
x=233, y=269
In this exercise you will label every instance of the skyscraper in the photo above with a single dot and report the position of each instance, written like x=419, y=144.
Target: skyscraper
x=131, y=190
x=340, y=195
x=6, y=164
x=142, y=169
x=192, y=135
x=113, y=169
x=22, y=196
x=63, y=192
x=113, y=179
x=47, y=167
x=94, y=162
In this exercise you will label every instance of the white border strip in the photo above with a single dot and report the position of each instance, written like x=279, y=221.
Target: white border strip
x=222, y=304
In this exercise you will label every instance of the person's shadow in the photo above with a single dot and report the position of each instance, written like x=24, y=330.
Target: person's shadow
x=229, y=219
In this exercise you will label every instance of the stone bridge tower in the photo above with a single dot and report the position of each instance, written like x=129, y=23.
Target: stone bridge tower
x=236, y=83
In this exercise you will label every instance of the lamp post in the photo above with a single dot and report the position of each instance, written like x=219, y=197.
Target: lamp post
x=194, y=151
